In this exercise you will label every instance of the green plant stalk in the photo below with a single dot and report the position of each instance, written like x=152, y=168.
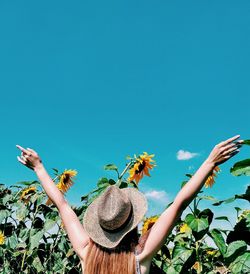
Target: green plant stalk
x=24, y=255
x=124, y=171
x=199, y=270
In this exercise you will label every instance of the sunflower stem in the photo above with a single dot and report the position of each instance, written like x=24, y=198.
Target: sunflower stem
x=124, y=171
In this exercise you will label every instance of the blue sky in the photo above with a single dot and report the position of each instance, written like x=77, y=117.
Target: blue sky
x=87, y=83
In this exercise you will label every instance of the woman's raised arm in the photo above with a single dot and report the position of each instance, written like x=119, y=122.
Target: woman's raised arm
x=77, y=236
x=163, y=226
x=31, y=159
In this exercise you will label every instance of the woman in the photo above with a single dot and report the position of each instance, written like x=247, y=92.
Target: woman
x=107, y=242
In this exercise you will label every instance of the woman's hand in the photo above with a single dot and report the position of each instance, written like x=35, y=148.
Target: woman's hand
x=29, y=158
x=224, y=151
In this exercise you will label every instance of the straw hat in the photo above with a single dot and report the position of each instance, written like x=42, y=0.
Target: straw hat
x=114, y=214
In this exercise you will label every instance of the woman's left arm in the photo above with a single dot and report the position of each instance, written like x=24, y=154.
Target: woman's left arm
x=77, y=236
x=163, y=226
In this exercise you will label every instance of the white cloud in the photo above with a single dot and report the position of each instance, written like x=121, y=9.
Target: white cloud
x=185, y=155
x=160, y=196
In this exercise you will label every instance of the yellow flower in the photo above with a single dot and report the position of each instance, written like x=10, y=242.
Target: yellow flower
x=141, y=167
x=184, y=228
x=25, y=195
x=62, y=226
x=197, y=266
x=211, y=179
x=211, y=252
x=65, y=182
x=148, y=223
x=2, y=238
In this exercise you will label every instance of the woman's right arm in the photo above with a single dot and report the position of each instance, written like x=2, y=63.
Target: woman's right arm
x=164, y=225
x=76, y=233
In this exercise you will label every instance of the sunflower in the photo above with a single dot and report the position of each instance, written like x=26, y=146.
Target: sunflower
x=141, y=167
x=211, y=179
x=2, y=238
x=65, y=181
x=148, y=223
x=184, y=228
x=25, y=195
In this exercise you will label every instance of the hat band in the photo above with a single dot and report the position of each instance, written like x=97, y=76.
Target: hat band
x=122, y=226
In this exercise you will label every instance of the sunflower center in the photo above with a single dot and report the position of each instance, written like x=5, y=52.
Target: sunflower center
x=140, y=167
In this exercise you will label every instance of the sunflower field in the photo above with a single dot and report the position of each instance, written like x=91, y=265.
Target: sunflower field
x=33, y=239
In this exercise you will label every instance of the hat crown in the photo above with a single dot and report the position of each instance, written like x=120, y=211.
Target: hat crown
x=114, y=209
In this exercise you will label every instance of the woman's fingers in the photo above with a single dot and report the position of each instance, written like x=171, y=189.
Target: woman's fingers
x=31, y=150
x=22, y=149
x=228, y=141
x=235, y=148
x=24, y=158
x=231, y=146
x=20, y=160
x=232, y=154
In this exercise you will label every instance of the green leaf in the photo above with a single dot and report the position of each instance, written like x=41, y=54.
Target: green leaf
x=241, y=168
x=112, y=182
x=35, y=237
x=63, y=245
x=241, y=265
x=12, y=241
x=246, y=142
x=216, y=235
x=24, y=234
x=84, y=198
x=7, y=198
x=37, y=264
x=49, y=224
x=222, y=218
x=245, y=196
x=207, y=197
x=103, y=182
x=183, y=183
x=227, y=201
x=110, y=167
x=123, y=185
x=234, y=250
x=241, y=232
x=4, y=213
x=206, y=213
x=22, y=212
x=28, y=183
x=182, y=257
x=171, y=270
x=189, y=175
x=238, y=209
x=199, y=226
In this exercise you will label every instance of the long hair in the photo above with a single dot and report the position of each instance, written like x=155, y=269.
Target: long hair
x=121, y=259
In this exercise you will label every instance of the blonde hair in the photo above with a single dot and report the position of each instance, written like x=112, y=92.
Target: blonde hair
x=120, y=259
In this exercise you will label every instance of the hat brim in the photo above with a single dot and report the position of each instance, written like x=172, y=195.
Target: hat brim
x=108, y=239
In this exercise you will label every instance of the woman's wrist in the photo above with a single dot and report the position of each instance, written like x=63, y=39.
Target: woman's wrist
x=209, y=163
x=38, y=167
